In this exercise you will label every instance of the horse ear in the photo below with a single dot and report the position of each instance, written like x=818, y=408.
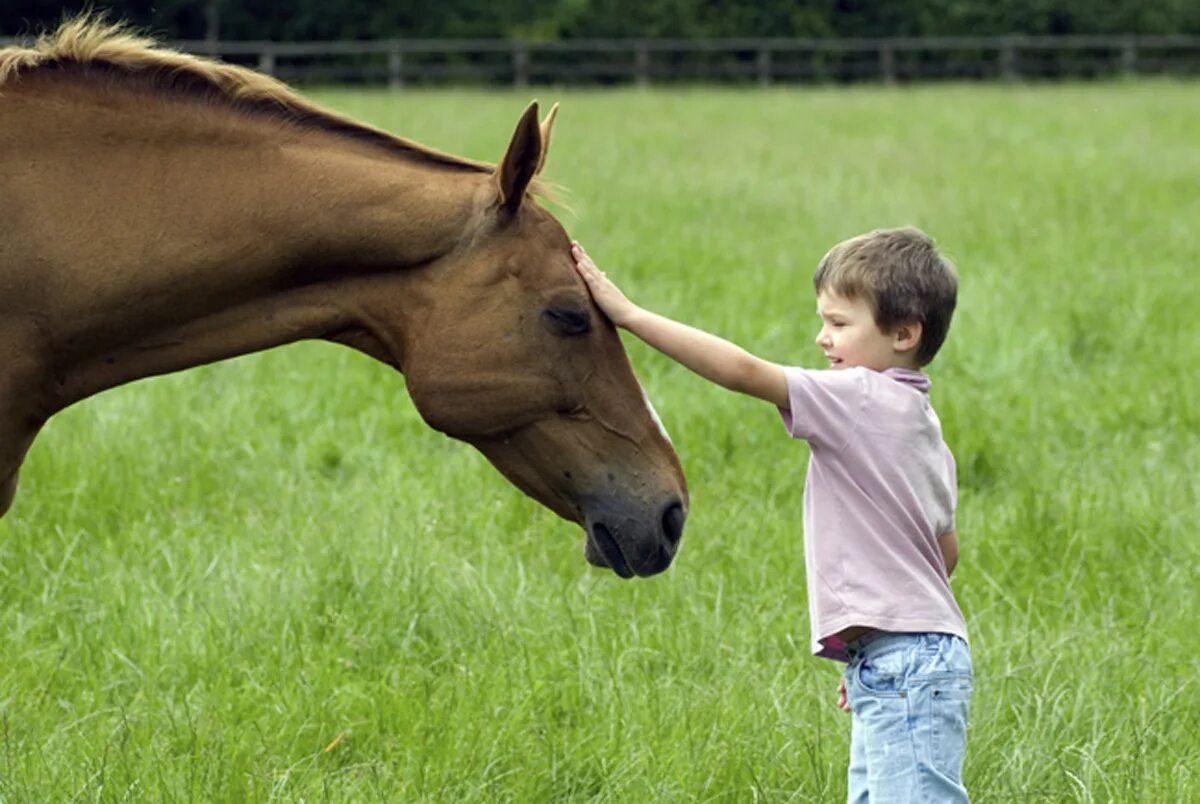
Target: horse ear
x=521, y=160
x=547, y=124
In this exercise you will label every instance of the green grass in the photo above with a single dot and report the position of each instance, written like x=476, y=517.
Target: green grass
x=268, y=580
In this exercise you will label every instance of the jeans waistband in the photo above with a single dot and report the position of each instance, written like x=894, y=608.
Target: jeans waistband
x=878, y=640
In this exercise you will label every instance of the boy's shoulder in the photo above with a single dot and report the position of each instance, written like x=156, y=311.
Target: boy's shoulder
x=905, y=377
x=860, y=380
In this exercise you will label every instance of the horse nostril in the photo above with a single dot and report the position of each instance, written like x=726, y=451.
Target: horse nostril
x=672, y=523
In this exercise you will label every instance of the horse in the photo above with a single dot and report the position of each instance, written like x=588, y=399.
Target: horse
x=162, y=211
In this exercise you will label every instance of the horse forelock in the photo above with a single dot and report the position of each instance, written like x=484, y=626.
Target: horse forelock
x=90, y=40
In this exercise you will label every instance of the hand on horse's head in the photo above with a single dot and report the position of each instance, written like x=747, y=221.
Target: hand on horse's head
x=607, y=295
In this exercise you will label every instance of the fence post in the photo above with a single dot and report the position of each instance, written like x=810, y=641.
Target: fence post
x=266, y=60
x=764, y=67
x=212, y=24
x=395, y=66
x=887, y=64
x=520, y=57
x=641, y=64
x=1008, y=59
x=1129, y=56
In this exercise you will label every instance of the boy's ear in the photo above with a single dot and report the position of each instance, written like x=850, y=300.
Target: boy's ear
x=907, y=336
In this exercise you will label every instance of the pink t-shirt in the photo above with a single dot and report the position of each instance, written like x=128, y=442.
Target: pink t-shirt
x=880, y=491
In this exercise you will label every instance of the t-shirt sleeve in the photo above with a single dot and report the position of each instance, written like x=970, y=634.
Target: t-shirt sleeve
x=824, y=405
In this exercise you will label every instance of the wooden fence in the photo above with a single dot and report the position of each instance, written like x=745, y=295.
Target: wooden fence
x=401, y=62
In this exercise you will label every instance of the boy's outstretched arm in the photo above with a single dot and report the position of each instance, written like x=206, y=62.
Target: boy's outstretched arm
x=713, y=358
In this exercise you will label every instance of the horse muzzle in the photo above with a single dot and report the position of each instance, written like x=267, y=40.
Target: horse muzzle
x=628, y=544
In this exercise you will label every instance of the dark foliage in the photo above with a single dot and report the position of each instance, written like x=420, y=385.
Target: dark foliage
x=545, y=20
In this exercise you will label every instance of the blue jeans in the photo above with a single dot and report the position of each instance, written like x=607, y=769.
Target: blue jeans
x=909, y=694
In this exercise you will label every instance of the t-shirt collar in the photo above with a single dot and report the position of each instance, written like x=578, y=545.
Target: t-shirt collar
x=916, y=379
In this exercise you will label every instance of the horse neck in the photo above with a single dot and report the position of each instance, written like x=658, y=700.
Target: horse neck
x=254, y=244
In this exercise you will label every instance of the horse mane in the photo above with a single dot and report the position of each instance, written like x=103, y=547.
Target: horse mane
x=90, y=41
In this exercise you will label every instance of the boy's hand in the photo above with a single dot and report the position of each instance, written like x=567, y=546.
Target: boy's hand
x=843, y=704
x=608, y=297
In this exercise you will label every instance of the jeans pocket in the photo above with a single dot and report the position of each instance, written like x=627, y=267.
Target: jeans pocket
x=880, y=679
x=949, y=705
x=951, y=687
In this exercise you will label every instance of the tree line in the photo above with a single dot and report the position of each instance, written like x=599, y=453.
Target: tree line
x=552, y=20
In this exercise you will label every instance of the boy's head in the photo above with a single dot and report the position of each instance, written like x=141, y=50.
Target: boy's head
x=898, y=274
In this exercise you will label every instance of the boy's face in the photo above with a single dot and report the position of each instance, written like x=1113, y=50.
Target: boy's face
x=849, y=336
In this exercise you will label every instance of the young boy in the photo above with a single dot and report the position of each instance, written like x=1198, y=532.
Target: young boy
x=879, y=499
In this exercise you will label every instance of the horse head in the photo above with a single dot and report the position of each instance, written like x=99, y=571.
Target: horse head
x=511, y=356
x=307, y=224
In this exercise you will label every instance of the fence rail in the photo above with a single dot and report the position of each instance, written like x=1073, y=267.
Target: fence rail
x=399, y=62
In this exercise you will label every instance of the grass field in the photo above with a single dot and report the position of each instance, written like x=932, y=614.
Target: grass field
x=268, y=580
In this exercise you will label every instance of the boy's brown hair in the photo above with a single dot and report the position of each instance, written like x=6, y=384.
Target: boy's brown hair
x=900, y=273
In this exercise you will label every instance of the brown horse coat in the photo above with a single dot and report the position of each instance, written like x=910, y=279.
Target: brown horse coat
x=162, y=211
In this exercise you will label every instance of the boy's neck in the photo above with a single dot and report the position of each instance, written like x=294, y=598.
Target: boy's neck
x=893, y=367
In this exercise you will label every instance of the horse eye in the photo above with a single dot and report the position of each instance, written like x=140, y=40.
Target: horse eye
x=567, y=321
